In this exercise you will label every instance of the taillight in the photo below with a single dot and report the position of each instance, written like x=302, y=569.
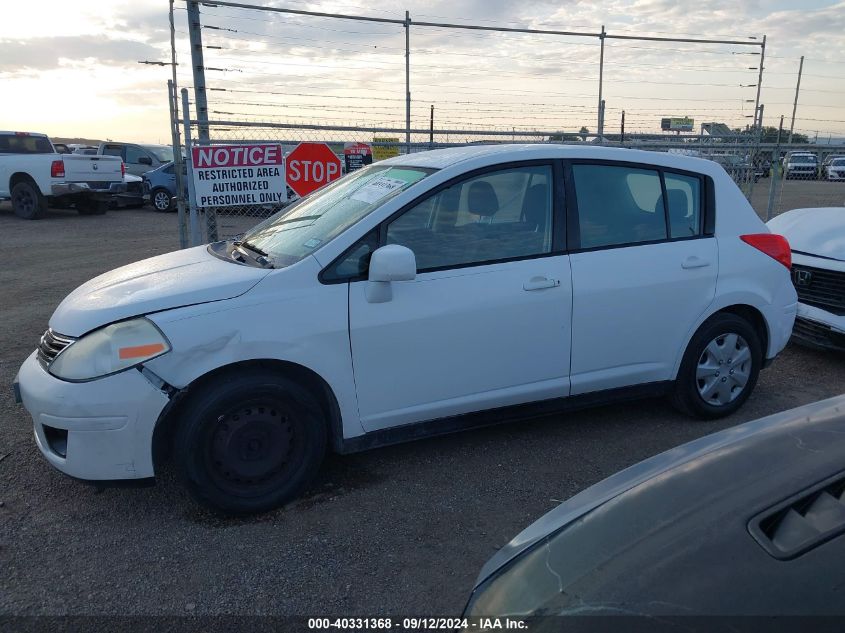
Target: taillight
x=122, y=168
x=775, y=246
x=57, y=169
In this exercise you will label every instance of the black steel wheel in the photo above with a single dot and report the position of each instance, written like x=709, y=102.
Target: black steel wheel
x=27, y=201
x=250, y=442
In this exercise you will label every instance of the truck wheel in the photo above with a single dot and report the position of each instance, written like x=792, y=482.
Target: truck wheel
x=27, y=201
x=249, y=442
x=161, y=200
x=91, y=207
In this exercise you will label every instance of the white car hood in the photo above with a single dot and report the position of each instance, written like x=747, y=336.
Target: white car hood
x=814, y=231
x=168, y=281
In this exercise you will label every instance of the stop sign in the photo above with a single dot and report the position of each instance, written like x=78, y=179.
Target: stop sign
x=310, y=166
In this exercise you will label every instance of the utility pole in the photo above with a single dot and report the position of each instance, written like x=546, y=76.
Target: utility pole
x=795, y=102
x=760, y=82
x=775, y=173
x=198, y=65
x=601, y=79
x=408, y=82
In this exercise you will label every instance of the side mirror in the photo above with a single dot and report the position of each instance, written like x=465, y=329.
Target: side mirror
x=145, y=160
x=387, y=264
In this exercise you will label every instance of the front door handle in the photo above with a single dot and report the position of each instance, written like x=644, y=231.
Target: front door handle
x=539, y=282
x=694, y=262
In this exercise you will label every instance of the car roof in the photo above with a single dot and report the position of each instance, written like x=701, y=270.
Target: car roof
x=11, y=133
x=442, y=158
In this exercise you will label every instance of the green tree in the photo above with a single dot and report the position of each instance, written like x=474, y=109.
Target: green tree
x=770, y=135
x=584, y=132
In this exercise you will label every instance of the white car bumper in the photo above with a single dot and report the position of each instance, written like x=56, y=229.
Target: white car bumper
x=819, y=328
x=96, y=430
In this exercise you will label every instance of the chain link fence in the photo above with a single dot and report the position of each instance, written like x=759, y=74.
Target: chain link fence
x=771, y=185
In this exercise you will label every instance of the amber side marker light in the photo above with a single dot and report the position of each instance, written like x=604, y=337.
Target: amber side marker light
x=140, y=351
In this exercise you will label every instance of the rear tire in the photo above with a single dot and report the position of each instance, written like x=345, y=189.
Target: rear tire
x=719, y=369
x=249, y=442
x=27, y=201
x=161, y=200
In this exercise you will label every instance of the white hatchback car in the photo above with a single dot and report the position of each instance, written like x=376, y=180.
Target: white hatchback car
x=420, y=295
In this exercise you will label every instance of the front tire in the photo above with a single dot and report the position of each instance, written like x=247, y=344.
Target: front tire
x=249, y=442
x=27, y=201
x=719, y=369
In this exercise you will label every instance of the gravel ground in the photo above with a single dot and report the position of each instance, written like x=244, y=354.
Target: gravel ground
x=401, y=530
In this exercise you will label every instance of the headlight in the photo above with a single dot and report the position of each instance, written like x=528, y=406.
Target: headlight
x=109, y=350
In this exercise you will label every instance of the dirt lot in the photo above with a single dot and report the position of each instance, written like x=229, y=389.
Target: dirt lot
x=400, y=530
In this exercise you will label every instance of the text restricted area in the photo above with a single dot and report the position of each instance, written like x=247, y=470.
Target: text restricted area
x=238, y=175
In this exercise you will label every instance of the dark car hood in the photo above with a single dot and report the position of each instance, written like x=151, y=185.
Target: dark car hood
x=676, y=527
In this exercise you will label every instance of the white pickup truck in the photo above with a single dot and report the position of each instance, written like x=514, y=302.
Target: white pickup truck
x=33, y=175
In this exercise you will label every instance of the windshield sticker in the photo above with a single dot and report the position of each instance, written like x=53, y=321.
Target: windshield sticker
x=313, y=243
x=377, y=189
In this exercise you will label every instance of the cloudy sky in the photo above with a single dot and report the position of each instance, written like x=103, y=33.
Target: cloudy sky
x=71, y=68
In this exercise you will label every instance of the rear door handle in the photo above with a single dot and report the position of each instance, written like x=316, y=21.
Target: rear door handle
x=539, y=282
x=694, y=262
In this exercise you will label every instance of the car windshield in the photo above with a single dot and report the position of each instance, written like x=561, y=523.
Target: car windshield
x=163, y=153
x=296, y=232
x=803, y=159
x=839, y=162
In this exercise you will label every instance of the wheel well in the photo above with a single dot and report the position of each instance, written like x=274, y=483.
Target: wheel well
x=756, y=319
x=20, y=176
x=313, y=382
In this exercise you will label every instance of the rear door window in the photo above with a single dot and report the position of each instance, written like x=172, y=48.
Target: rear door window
x=618, y=205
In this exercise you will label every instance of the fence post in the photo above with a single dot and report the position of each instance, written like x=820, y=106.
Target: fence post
x=177, y=163
x=189, y=163
x=775, y=174
x=407, y=82
x=198, y=67
x=600, y=122
x=200, y=97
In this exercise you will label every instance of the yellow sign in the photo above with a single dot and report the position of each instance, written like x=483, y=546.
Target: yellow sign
x=382, y=151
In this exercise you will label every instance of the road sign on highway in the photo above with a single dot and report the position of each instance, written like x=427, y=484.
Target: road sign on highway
x=310, y=166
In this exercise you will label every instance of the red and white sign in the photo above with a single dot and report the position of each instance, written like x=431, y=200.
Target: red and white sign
x=238, y=175
x=310, y=166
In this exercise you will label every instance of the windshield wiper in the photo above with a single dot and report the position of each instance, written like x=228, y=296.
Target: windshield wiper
x=253, y=252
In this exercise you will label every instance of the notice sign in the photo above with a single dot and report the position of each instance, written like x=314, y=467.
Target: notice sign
x=238, y=175
x=356, y=155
